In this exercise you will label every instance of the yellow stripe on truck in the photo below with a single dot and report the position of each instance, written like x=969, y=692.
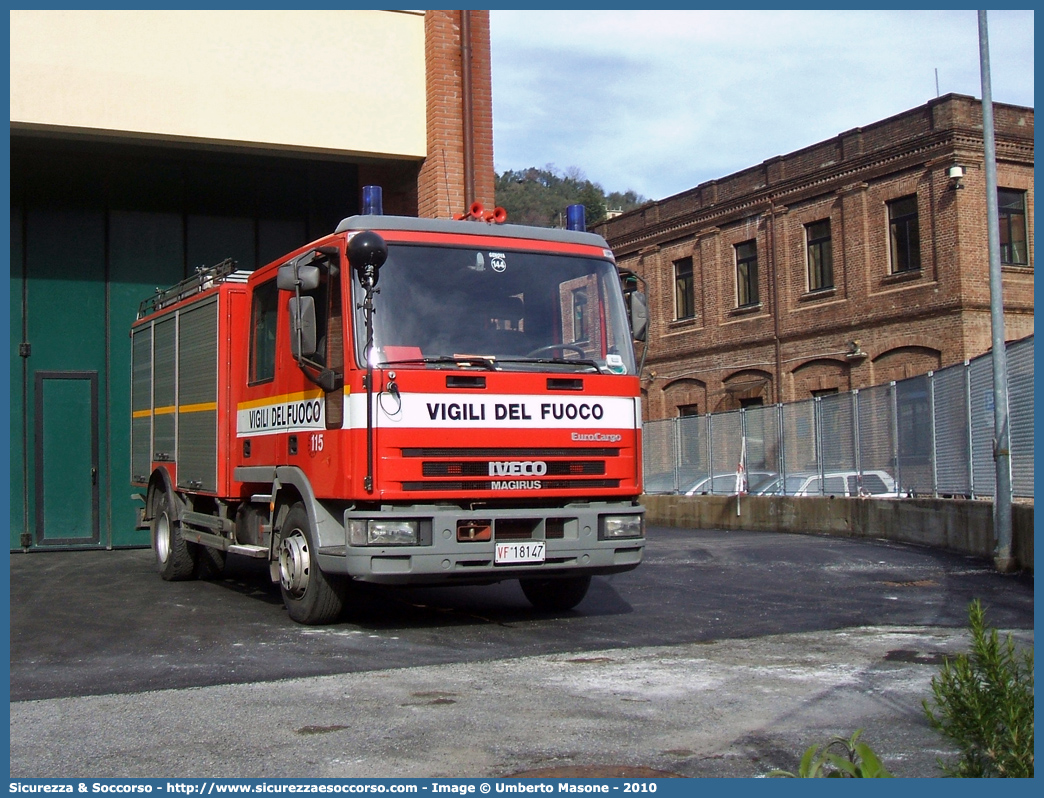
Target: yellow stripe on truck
x=301, y=396
x=201, y=407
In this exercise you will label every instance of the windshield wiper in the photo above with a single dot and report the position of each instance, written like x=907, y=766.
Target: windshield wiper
x=556, y=361
x=488, y=363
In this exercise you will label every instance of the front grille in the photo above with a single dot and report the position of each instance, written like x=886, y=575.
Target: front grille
x=531, y=454
x=515, y=528
x=481, y=530
x=479, y=468
x=554, y=528
x=522, y=468
x=513, y=483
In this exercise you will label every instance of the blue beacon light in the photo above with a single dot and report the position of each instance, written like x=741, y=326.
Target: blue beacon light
x=575, y=219
x=373, y=201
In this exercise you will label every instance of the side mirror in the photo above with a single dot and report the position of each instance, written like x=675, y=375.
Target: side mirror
x=302, y=327
x=286, y=280
x=639, y=315
x=366, y=254
x=329, y=380
x=301, y=270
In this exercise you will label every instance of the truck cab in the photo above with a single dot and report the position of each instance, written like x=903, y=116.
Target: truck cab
x=416, y=401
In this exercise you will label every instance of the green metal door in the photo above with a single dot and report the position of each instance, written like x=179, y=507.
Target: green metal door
x=66, y=458
x=64, y=310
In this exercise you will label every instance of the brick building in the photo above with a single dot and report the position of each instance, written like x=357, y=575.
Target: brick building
x=856, y=261
x=147, y=143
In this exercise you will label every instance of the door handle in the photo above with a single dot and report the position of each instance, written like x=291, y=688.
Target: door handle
x=94, y=476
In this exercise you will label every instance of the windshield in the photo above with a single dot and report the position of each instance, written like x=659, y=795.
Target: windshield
x=469, y=307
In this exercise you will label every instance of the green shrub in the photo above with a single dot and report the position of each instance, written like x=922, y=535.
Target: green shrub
x=984, y=704
x=855, y=761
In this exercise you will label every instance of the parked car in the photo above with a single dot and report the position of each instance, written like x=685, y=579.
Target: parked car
x=725, y=484
x=878, y=484
x=660, y=483
x=672, y=481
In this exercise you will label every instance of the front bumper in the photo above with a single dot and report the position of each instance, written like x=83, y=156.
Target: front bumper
x=571, y=534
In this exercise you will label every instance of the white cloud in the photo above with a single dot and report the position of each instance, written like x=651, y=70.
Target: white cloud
x=661, y=101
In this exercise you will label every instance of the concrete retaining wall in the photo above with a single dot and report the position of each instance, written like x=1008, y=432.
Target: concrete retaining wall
x=958, y=525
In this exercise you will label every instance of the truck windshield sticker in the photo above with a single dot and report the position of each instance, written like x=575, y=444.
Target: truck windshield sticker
x=292, y=413
x=498, y=261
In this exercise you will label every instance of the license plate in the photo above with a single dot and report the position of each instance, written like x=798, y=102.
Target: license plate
x=510, y=553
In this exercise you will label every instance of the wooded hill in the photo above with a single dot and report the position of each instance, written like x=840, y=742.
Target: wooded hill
x=539, y=197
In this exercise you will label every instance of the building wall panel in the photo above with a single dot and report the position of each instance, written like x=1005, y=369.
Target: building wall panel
x=318, y=81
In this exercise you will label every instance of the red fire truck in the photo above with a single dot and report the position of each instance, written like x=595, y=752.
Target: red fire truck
x=406, y=401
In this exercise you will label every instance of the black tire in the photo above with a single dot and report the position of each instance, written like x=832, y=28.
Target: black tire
x=175, y=557
x=210, y=562
x=311, y=596
x=556, y=594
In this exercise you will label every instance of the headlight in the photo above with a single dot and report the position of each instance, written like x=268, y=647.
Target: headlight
x=382, y=533
x=622, y=526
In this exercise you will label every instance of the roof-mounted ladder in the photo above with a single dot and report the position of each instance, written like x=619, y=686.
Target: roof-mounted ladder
x=204, y=278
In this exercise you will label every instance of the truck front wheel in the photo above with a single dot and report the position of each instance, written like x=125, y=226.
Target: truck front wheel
x=310, y=596
x=174, y=555
x=556, y=594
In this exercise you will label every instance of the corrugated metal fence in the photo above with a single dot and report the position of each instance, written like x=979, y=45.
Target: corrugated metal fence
x=930, y=435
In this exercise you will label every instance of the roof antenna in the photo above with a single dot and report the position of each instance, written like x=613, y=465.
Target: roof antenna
x=937, y=83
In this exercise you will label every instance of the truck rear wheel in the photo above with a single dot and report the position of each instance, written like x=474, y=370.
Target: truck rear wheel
x=311, y=597
x=175, y=556
x=556, y=594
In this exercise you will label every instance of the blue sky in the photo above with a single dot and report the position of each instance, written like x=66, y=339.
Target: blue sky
x=660, y=101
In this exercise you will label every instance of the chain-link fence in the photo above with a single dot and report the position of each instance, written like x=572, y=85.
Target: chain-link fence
x=930, y=435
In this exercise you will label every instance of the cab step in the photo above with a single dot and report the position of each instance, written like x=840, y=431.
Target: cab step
x=257, y=552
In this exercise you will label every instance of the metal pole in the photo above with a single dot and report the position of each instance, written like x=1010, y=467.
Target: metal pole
x=710, y=448
x=741, y=468
x=1002, y=556
x=895, y=438
x=676, y=426
x=856, y=453
x=817, y=425
x=781, y=435
x=368, y=311
x=969, y=428
x=935, y=445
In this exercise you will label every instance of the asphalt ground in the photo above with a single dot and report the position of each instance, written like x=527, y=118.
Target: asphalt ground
x=723, y=654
